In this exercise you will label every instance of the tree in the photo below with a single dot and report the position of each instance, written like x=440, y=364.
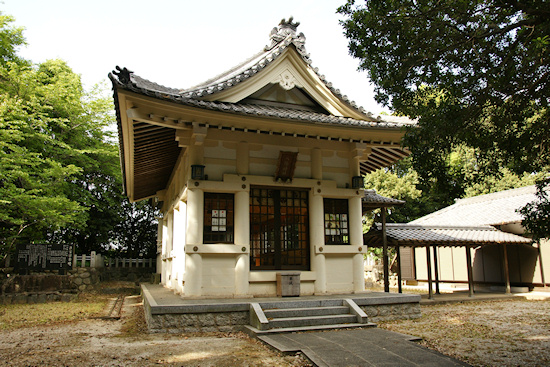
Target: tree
x=400, y=182
x=60, y=177
x=472, y=73
x=32, y=183
x=10, y=39
x=136, y=235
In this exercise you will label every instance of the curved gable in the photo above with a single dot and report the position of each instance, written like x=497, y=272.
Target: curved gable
x=289, y=71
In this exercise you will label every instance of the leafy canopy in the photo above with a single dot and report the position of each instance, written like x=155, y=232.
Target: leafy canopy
x=59, y=166
x=473, y=73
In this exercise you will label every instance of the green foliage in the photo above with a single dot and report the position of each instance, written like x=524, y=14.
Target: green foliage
x=537, y=213
x=10, y=39
x=136, y=235
x=400, y=182
x=473, y=73
x=32, y=179
x=59, y=166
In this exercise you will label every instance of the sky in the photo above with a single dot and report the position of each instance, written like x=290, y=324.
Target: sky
x=182, y=43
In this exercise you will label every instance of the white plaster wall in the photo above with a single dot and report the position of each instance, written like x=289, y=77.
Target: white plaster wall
x=339, y=273
x=452, y=264
x=216, y=168
x=303, y=168
x=336, y=168
x=445, y=262
x=218, y=274
x=219, y=160
x=263, y=289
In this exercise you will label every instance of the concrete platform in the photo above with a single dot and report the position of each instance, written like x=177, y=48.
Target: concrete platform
x=359, y=347
x=463, y=296
x=168, y=312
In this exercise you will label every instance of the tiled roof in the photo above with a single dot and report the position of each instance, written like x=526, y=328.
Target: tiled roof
x=145, y=87
x=418, y=235
x=282, y=37
x=373, y=200
x=491, y=209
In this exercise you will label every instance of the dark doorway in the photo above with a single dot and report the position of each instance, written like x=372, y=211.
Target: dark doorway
x=279, y=229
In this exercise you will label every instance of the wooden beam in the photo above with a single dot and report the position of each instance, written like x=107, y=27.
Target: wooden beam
x=470, y=272
x=506, y=270
x=385, y=253
x=436, y=271
x=399, y=286
x=541, y=264
x=429, y=263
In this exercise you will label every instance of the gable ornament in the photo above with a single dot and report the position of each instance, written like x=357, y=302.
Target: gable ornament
x=286, y=80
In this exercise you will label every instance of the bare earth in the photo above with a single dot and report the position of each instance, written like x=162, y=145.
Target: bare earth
x=97, y=342
x=495, y=333
x=490, y=333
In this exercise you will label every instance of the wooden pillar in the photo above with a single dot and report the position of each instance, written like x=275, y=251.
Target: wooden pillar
x=541, y=264
x=385, y=253
x=429, y=263
x=506, y=270
x=399, y=286
x=436, y=271
x=470, y=272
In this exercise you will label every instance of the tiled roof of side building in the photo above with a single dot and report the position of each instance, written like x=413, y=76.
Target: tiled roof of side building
x=492, y=209
x=409, y=234
x=373, y=200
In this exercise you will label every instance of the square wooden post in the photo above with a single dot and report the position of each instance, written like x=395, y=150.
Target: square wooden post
x=506, y=270
x=470, y=271
x=436, y=272
x=541, y=265
x=385, y=253
x=429, y=263
x=399, y=286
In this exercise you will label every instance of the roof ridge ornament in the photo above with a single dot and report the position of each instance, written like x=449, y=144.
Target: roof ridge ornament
x=123, y=75
x=283, y=31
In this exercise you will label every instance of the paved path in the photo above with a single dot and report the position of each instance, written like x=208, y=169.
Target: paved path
x=359, y=347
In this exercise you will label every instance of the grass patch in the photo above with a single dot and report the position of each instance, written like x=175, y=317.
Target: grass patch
x=28, y=315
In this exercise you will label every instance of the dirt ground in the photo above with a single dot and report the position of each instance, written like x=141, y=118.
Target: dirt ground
x=124, y=342
x=490, y=333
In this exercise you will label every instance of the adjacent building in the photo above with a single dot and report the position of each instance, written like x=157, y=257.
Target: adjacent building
x=478, y=240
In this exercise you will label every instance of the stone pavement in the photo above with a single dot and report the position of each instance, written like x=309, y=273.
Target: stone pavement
x=359, y=347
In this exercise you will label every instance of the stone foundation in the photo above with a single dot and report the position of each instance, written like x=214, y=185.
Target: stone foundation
x=377, y=313
x=198, y=322
x=225, y=315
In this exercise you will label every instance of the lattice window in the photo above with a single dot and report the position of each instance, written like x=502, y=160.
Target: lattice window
x=336, y=222
x=218, y=218
x=279, y=229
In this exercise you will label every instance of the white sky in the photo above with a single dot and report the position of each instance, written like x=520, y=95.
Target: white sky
x=182, y=43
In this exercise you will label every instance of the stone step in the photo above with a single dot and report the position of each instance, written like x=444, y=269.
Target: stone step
x=286, y=322
x=301, y=304
x=253, y=332
x=305, y=311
